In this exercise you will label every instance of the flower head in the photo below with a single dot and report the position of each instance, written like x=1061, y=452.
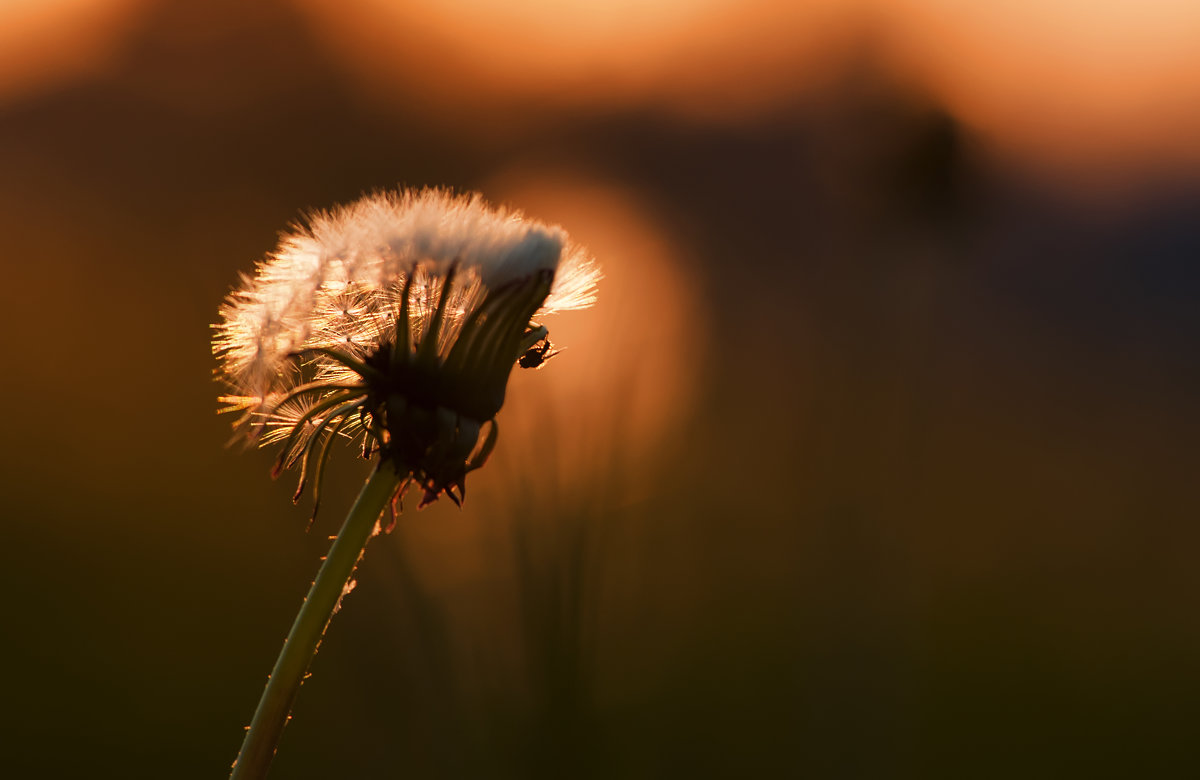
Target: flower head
x=396, y=319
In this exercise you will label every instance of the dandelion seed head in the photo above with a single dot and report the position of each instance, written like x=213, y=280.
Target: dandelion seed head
x=334, y=280
x=397, y=317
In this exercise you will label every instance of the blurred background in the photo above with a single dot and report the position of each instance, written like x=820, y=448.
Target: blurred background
x=876, y=458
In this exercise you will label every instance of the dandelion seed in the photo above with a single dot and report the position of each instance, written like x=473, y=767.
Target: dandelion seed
x=395, y=320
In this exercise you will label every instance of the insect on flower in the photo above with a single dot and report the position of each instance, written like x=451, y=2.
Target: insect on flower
x=395, y=320
x=537, y=355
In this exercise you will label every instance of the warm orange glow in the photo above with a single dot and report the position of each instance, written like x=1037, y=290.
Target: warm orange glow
x=594, y=422
x=625, y=380
x=1072, y=81
x=1110, y=85
x=1103, y=85
x=711, y=58
x=46, y=41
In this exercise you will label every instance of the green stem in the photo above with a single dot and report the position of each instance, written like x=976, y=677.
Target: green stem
x=275, y=706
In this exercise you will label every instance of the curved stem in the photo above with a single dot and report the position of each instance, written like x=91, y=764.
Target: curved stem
x=274, y=707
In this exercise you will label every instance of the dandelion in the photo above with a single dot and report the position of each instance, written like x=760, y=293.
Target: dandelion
x=393, y=322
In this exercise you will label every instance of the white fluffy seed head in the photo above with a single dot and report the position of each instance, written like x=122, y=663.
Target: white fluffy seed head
x=334, y=281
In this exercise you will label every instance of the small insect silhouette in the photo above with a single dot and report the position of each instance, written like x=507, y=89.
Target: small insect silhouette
x=538, y=354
